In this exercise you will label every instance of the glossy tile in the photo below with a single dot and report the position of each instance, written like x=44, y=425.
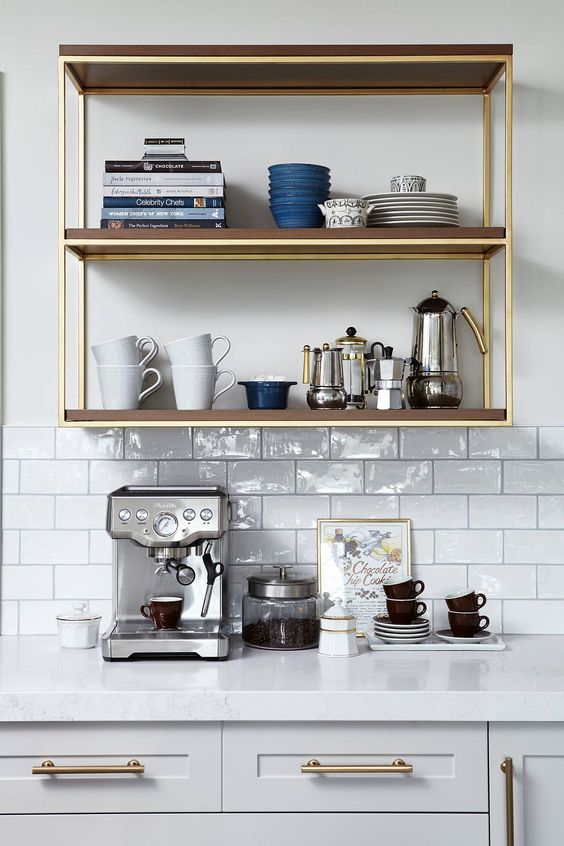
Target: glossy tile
x=534, y=547
x=329, y=477
x=227, y=442
x=534, y=477
x=364, y=506
x=89, y=443
x=431, y=512
x=398, y=477
x=364, y=443
x=469, y=547
x=27, y=512
x=293, y=512
x=261, y=477
x=533, y=616
x=550, y=581
x=53, y=477
x=158, y=444
x=551, y=512
x=503, y=581
x=433, y=443
x=503, y=512
x=515, y=442
x=479, y=477
x=261, y=547
x=193, y=473
x=54, y=547
x=246, y=512
x=295, y=442
x=28, y=442
x=551, y=442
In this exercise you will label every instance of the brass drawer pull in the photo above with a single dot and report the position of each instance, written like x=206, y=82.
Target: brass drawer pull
x=506, y=768
x=49, y=768
x=398, y=766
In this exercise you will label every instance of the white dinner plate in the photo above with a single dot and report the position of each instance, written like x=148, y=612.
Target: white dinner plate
x=413, y=213
x=446, y=634
x=390, y=218
x=412, y=222
x=394, y=207
x=429, y=195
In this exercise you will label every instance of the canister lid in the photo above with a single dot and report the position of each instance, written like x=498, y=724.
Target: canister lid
x=338, y=612
x=78, y=614
x=351, y=338
x=282, y=586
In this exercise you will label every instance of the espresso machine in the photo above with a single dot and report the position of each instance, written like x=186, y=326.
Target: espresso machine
x=168, y=541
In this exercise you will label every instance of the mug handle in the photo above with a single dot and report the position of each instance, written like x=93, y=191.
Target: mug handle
x=227, y=348
x=485, y=620
x=480, y=600
x=146, y=614
x=154, y=348
x=152, y=388
x=419, y=613
x=418, y=584
x=230, y=385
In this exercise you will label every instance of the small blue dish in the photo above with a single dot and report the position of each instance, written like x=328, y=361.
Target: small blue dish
x=267, y=394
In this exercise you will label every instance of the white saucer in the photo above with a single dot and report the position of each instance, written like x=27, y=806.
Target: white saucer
x=387, y=639
x=481, y=637
x=418, y=623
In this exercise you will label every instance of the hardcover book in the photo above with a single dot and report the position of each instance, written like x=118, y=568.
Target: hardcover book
x=164, y=142
x=163, y=202
x=162, y=224
x=163, y=178
x=132, y=191
x=164, y=214
x=172, y=165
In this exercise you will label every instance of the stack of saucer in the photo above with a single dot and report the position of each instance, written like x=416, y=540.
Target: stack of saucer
x=412, y=209
x=415, y=632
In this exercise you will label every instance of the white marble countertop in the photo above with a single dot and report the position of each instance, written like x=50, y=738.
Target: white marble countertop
x=40, y=681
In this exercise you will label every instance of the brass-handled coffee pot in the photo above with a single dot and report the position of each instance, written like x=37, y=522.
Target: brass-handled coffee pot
x=325, y=378
x=434, y=381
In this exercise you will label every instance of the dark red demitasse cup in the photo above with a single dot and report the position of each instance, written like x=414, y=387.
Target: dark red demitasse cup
x=402, y=587
x=164, y=611
x=467, y=623
x=405, y=610
x=465, y=600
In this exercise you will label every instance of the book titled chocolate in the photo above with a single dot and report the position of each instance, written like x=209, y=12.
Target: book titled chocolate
x=166, y=165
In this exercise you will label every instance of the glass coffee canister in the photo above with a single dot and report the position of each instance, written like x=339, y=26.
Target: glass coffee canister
x=281, y=611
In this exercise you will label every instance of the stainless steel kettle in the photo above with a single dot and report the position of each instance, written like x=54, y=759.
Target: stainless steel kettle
x=325, y=378
x=434, y=381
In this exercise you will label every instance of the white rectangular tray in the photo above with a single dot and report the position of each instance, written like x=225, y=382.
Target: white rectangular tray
x=434, y=644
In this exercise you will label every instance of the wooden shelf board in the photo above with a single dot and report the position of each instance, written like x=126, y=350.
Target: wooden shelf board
x=270, y=243
x=307, y=69
x=288, y=417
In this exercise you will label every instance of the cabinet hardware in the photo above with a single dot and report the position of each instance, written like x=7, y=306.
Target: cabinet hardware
x=49, y=768
x=398, y=766
x=506, y=768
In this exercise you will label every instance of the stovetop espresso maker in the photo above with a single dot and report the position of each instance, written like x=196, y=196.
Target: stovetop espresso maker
x=434, y=381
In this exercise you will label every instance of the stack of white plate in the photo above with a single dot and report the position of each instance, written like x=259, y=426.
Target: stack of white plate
x=413, y=209
x=415, y=632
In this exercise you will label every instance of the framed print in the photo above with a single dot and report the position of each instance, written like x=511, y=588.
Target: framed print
x=354, y=557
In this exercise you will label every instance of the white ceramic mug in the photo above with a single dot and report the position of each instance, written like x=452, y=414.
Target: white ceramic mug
x=125, y=350
x=121, y=384
x=194, y=385
x=196, y=350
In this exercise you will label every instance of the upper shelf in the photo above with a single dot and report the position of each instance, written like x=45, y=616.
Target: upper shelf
x=446, y=242
x=293, y=69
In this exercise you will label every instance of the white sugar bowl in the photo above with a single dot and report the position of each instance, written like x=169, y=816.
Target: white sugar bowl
x=337, y=635
x=78, y=629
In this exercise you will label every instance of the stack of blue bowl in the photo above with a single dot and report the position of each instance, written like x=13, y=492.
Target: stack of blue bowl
x=295, y=191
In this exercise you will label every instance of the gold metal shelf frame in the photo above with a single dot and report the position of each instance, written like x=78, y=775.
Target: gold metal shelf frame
x=76, y=63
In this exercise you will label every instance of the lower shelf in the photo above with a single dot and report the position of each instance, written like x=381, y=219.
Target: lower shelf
x=288, y=417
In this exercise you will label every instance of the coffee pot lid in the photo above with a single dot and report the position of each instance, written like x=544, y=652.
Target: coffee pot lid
x=435, y=305
x=351, y=338
x=282, y=586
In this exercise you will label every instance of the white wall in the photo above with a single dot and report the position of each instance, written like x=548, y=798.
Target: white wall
x=247, y=135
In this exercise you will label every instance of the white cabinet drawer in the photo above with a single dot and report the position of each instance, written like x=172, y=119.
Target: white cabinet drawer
x=262, y=767
x=182, y=768
x=245, y=829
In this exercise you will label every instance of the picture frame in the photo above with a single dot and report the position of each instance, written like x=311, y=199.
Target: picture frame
x=354, y=557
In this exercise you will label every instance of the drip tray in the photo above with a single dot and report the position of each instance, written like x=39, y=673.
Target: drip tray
x=131, y=641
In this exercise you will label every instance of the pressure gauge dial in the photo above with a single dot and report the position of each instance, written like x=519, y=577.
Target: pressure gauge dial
x=165, y=525
x=206, y=514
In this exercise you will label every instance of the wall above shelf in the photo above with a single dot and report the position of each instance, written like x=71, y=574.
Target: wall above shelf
x=372, y=243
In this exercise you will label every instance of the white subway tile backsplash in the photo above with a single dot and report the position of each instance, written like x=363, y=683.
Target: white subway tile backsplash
x=89, y=443
x=54, y=547
x=10, y=546
x=551, y=442
x=193, y=473
x=534, y=477
x=80, y=512
x=433, y=443
x=398, y=477
x=504, y=581
x=306, y=546
x=533, y=617
x=237, y=587
x=93, y=581
x=479, y=477
x=27, y=512
x=10, y=476
x=430, y=512
x=100, y=547
x=27, y=582
x=106, y=476
x=550, y=581
x=469, y=547
x=261, y=477
x=54, y=477
x=517, y=442
x=551, y=512
x=364, y=443
x=28, y=442
x=227, y=442
x=422, y=547
x=503, y=512
x=159, y=444
x=38, y=617
x=295, y=443
x=8, y=617
x=534, y=547
x=293, y=512
x=246, y=512
x=364, y=506
x=440, y=579
x=329, y=477
x=260, y=547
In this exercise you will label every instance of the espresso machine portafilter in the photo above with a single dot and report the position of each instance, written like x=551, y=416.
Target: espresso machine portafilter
x=168, y=541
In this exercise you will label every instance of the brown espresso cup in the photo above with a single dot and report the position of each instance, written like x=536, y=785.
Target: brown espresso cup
x=164, y=611
x=467, y=623
x=465, y=600
x=403, y=587
x=405, y=610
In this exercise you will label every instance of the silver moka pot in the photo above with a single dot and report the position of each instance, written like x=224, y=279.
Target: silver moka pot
x=434, y=381
x=385, y=377
x=325, y=377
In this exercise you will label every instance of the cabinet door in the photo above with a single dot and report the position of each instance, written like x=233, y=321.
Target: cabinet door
x=537, y=753
x=245, y=829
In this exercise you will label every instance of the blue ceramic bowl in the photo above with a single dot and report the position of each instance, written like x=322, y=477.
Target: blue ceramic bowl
x=299, y=199
x=296, y=167
x=267, y=394
x=291, y=181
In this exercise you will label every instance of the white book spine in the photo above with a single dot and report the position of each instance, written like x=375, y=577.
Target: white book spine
x=162, y=191
x=163, y=178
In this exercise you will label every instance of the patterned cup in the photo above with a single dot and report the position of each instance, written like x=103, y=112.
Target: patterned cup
x=408, y=184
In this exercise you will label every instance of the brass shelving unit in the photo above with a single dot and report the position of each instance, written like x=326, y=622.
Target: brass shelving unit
x=447, y=69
